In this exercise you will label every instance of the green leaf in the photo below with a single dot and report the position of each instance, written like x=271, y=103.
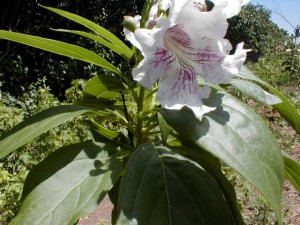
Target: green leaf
x=292, y=171
x=117, y=49
x=61, y=48
x=213, y=166
x=255, y=91
x=240, y=138
x=92, y=26
x=103, y=86
x=286, y=109
x=36, y=125
x=69, y=184
x=163, y=187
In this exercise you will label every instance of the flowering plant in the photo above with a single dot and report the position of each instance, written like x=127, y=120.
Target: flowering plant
x=174, y=125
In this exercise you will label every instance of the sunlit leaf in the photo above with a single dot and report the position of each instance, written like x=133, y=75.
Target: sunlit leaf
x=92, y=26
x=103, y=86
x=117, y=49
x=61, y=48
x=69, y=184
x=240, y=138
x=286, y=109
x=256, y=92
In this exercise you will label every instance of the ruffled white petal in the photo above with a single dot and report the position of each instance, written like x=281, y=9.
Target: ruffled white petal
x=187, y=44
x=233, y=6
x=151, y=69
x=181, y=89
x=200, y=25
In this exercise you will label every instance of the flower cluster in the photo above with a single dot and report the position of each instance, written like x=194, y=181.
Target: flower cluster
x=184, y=39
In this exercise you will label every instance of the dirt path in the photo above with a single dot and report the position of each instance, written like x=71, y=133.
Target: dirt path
x=101, y=216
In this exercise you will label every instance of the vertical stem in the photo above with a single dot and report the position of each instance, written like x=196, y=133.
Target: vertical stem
x=130, y=135
x=140, y=119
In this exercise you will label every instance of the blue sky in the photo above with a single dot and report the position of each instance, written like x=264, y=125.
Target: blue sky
x=290, y=9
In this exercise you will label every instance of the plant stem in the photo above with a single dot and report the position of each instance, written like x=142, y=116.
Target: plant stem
x=130, y=135
x=140, y=119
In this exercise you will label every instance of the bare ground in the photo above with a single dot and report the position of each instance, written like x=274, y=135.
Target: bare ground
x=101, y=216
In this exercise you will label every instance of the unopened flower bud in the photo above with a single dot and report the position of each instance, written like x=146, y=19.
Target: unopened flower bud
x=163, y=7
x=131, y=23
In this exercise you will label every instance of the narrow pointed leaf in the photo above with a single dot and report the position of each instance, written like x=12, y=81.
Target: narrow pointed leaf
x=92, y=26
x=292, y=171
x=256, y=92
x=163, y=187
x=61, y=48
x=164, y=128
x=240, y=138
x=36, y=125
x=117, y=49
x=69, y=184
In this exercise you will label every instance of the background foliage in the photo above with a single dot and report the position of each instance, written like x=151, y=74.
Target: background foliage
x=16, y=166
x=24, y=65
x=254, y=27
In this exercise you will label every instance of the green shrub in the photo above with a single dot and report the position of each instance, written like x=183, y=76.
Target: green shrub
x=14, y=168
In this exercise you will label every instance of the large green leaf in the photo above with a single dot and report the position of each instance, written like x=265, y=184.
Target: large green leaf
x=286, y=109
x=36, y=125
x=213, y=166
x=69, y=184
x=103, y=86
x=240, y=138
x=292, y=171
x=163, y=187
x=92, y=26
x=61, y=48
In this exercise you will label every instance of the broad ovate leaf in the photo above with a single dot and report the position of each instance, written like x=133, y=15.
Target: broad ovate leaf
x=69, y=184
x=240, y=138
x=163, y=187
x=213, y=166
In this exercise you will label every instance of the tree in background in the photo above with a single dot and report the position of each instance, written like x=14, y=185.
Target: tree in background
x=25, y=65
x=254, y=27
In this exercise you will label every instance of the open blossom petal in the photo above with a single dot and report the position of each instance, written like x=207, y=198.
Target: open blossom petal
x=212, y=24
x=153, y=68
x=181, y=89
x=232, y=7
x=157, y=57
x=187, y=44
